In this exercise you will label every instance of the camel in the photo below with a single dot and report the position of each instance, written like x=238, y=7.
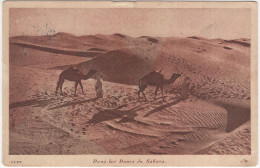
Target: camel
x=75, y=75
x=155, y=78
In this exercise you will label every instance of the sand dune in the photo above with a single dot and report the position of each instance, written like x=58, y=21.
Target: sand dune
x=214, y=119
x=59, y=40
x=90, y=53
x=175, y=55
x=23, y=56
x=237, y=142
x=120, y=66
x=69, y=42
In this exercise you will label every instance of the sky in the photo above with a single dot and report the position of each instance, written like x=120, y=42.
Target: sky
x=209, y=23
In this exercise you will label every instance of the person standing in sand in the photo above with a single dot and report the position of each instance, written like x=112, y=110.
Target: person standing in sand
x=185, y=92
x=98, y=85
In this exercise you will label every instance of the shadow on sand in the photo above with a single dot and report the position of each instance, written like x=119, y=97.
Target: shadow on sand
x=73, y=103
x=35, y=102
x=106, y=115
x=178, y=100
x=236, y=116
x=44, y=103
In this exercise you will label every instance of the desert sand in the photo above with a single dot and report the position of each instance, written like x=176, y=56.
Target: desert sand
x=214, y=119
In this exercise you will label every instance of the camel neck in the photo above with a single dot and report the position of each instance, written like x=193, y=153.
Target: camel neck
x=169, y=81
x=85, y=77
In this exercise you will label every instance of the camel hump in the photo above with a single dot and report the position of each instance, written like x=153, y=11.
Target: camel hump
x=153, y=76
x=155, y=73
x=70, y=70
x=158, y=71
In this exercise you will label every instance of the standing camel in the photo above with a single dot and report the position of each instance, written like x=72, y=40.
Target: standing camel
x=75, y=75
x=155, y=79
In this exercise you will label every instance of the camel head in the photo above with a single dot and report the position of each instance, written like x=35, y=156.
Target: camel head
x=172, y=79
x=175, y=76
x=90, y=73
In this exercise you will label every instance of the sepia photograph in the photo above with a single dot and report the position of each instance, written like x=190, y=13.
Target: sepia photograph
x=130, y=81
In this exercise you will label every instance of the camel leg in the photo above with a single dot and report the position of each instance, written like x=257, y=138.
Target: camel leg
x=58, y=85
x=144, y=95
x=81, y=86
x=162, y=92
x=139, y=95
x=141, y=89
x=61, y=83
x=76, y=85
x=156, y=92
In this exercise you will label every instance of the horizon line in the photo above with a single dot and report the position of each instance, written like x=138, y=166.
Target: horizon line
x=129, y=36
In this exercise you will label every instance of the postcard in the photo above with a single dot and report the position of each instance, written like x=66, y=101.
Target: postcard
x=142, y=84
